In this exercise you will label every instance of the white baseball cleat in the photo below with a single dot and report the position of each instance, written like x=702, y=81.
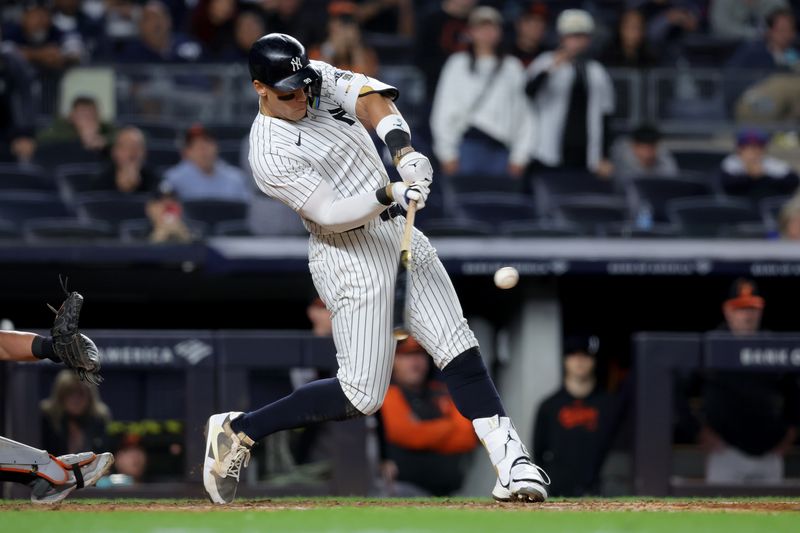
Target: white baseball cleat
x=82, y=469
x=226, y=454
x=518, y=479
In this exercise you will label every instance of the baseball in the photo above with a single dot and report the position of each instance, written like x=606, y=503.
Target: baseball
x=506, y=277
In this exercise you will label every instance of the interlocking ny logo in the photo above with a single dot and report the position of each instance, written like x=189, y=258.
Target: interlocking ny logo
x=297, y=64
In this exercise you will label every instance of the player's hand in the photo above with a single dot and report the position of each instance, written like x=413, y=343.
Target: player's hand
x=415, y=167
x=403, y=194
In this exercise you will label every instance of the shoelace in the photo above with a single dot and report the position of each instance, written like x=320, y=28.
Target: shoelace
x=238, y=458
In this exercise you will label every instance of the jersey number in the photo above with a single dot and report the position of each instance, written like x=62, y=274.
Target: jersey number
x=341, y=114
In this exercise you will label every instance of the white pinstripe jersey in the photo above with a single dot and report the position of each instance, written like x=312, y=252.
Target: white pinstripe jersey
x=289, y=159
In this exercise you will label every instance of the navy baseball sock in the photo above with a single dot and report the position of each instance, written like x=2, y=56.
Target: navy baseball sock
x=317, y=401
x=471, y=387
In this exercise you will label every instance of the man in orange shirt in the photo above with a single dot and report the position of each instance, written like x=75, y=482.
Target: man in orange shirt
x=426, y=438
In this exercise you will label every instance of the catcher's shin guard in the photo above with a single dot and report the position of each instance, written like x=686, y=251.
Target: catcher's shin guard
x=24, y=460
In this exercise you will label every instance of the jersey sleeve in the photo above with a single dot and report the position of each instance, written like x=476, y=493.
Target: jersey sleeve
x=342, y=88
x=284, y=178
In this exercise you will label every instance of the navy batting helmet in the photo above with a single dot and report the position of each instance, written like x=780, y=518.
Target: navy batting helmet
x=281, y=62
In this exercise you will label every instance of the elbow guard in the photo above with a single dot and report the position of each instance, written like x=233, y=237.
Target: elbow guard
x=350, y=86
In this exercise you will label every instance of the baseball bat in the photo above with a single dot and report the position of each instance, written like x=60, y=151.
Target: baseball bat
x=400, y=327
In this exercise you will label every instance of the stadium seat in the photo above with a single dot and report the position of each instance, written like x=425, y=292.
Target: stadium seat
x=215, y=211
x=543, y=228
x=59, y=229
x=450, y=227
x=593, y=212
x=19, y=206
x=747, y=230
x=8, y=231
x=74, y=179
x=158, y=132
x=268, y=216
x=656, y=192
x=461, y=184
x=770, y=209
x=111, y=207
x=699, y=160
x=232, y=228
x=29, y=178
x=54, y=154
x=710, y=216
x=656, y=231
x=496, y=208
x=163, y=154
x=564, y=183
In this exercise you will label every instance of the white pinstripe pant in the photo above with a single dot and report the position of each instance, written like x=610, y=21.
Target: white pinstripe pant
x=354, y=273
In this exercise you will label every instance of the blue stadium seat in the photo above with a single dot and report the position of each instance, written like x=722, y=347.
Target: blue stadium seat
x=461, y=184
x=453, y=227
x=29, y=178
x=656, y=192
x=60, y=229
x=710, y=216
x=215, y=211
x=74, y=179
x=19, y=206
x=54, y=154
x=555, y=184
x=770, y=209
x=9, y=231
x=232, y=228
x=111, y=207
x=544, y=228
x=699, y=160
x=595, y=213
x=496, y=208
x=163, y=154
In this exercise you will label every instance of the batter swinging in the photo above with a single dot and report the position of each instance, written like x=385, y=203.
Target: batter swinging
x=309, y=148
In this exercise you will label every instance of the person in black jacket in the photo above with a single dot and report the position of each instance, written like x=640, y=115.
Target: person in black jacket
x=17, y=109
x=573, y=427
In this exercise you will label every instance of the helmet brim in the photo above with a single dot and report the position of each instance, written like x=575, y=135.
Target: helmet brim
x=302, y=78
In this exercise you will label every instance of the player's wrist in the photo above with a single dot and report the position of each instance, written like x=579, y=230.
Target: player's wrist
x=42, y=348
x=384, y=195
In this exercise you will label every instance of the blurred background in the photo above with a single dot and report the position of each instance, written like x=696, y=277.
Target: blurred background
x=636, y=161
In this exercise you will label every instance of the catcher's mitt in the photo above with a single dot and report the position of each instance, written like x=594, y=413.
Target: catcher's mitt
x=76, y=351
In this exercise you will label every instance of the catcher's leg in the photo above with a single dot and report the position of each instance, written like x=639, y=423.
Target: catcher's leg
x=51, y=478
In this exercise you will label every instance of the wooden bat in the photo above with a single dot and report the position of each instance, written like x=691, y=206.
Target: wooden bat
x=400, y=327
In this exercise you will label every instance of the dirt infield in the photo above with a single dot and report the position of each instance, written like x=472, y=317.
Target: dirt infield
x=582, y=505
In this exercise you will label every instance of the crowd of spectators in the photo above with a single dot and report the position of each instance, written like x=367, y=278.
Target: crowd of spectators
x=516, y=89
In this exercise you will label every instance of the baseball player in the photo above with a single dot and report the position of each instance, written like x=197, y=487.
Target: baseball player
x=53, y=478
x=310, y=149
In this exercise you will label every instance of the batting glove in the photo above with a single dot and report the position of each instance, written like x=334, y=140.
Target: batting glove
x=415, y=167
x=403, y=194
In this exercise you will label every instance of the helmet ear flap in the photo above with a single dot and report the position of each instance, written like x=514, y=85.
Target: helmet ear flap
x=313, y=92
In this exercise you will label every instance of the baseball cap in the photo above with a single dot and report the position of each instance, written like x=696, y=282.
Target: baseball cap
x=750, y=136
x=646, y=134
x=484, y=15
x=574, y=21
x=535, y=9
x=585, y=344
x=744, y=295
x=196, y=131
x=342, y=8
x=409, y=346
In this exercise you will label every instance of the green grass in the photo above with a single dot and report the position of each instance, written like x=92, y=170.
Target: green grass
x=368, y=516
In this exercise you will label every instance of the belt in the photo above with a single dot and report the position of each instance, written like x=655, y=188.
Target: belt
x=386, y=215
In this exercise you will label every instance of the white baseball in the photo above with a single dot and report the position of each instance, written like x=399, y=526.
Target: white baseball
x=506, y=277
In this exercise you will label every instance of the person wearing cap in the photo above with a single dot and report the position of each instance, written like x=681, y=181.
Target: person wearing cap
x=530, y=33
x=344, y=48
x=480, y=121
x=751, y=419
x=572, y=426
x=426, y=438
x=641, y=155
x=202, y=174
x=753, y=174
x=573, y=99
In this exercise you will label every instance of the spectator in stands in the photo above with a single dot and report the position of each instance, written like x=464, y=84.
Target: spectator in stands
x=212, y=24
x=573, y=99
x=344, y=48
x=17, y=108
x=776, y=50
x=202, y=174
x=738, y=19
x=75, y=418
x=426, y=438
x=394, y=17
x=130, y=459
x=156, y=42
x=751, y=418
x=69, y=17
x=789, y=220
x=530, y=34
x=751, y=173
x=641, y=155
x=127, y=172
x=572, y=427
x=304, y=23
x=249, y=27
x=668, y=21
x=629, y=48
x=82, y=128
x=480, y=120
x=40, y=42
x=442, y=33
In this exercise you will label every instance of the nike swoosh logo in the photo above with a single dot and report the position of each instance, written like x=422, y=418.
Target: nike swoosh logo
x=298, y=139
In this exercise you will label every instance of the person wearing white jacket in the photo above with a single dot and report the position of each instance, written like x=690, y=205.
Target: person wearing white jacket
x=480, y=120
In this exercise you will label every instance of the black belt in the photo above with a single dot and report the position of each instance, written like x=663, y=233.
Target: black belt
x=386, y=215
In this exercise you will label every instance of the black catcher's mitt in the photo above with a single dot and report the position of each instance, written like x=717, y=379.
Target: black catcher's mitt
x=77, y=351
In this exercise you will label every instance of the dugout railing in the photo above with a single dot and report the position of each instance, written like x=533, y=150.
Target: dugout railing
x=658, y=359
